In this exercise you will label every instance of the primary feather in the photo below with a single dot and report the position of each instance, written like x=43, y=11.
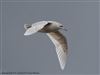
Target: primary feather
x=35, y=27
x=61, y=46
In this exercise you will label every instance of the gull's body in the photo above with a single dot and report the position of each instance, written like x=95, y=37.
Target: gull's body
x=51, y=29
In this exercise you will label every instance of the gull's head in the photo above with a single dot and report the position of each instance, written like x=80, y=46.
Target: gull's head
x=56, y=25
x=62, y=27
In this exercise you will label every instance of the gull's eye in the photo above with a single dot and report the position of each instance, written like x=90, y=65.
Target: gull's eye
x=61, y=26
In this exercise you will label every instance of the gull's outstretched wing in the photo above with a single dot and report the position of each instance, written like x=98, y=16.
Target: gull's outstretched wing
x=61, y=46
x=35, y=27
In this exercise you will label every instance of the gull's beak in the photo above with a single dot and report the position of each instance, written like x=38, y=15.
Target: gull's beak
x=63, y=28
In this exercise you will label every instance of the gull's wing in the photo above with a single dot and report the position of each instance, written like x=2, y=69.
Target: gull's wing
x=35, y=27
x=61, y=46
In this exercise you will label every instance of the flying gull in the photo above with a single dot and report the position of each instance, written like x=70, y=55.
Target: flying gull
x=51, y=28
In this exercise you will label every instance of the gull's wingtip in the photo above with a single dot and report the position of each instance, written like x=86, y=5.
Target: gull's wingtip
x=62, y=67
x=26, y=34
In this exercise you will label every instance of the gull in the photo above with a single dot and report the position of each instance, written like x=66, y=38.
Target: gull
x=51, y=28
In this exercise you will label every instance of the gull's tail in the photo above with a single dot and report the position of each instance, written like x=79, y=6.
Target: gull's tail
x=26, y=26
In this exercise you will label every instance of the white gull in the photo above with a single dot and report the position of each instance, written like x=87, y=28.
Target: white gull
x=51, y=28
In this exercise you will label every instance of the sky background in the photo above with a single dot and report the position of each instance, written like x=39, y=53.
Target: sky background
x=37, y=53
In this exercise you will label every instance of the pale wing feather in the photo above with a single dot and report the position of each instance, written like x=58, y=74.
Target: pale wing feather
x=61, y=46
x=35, y=27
